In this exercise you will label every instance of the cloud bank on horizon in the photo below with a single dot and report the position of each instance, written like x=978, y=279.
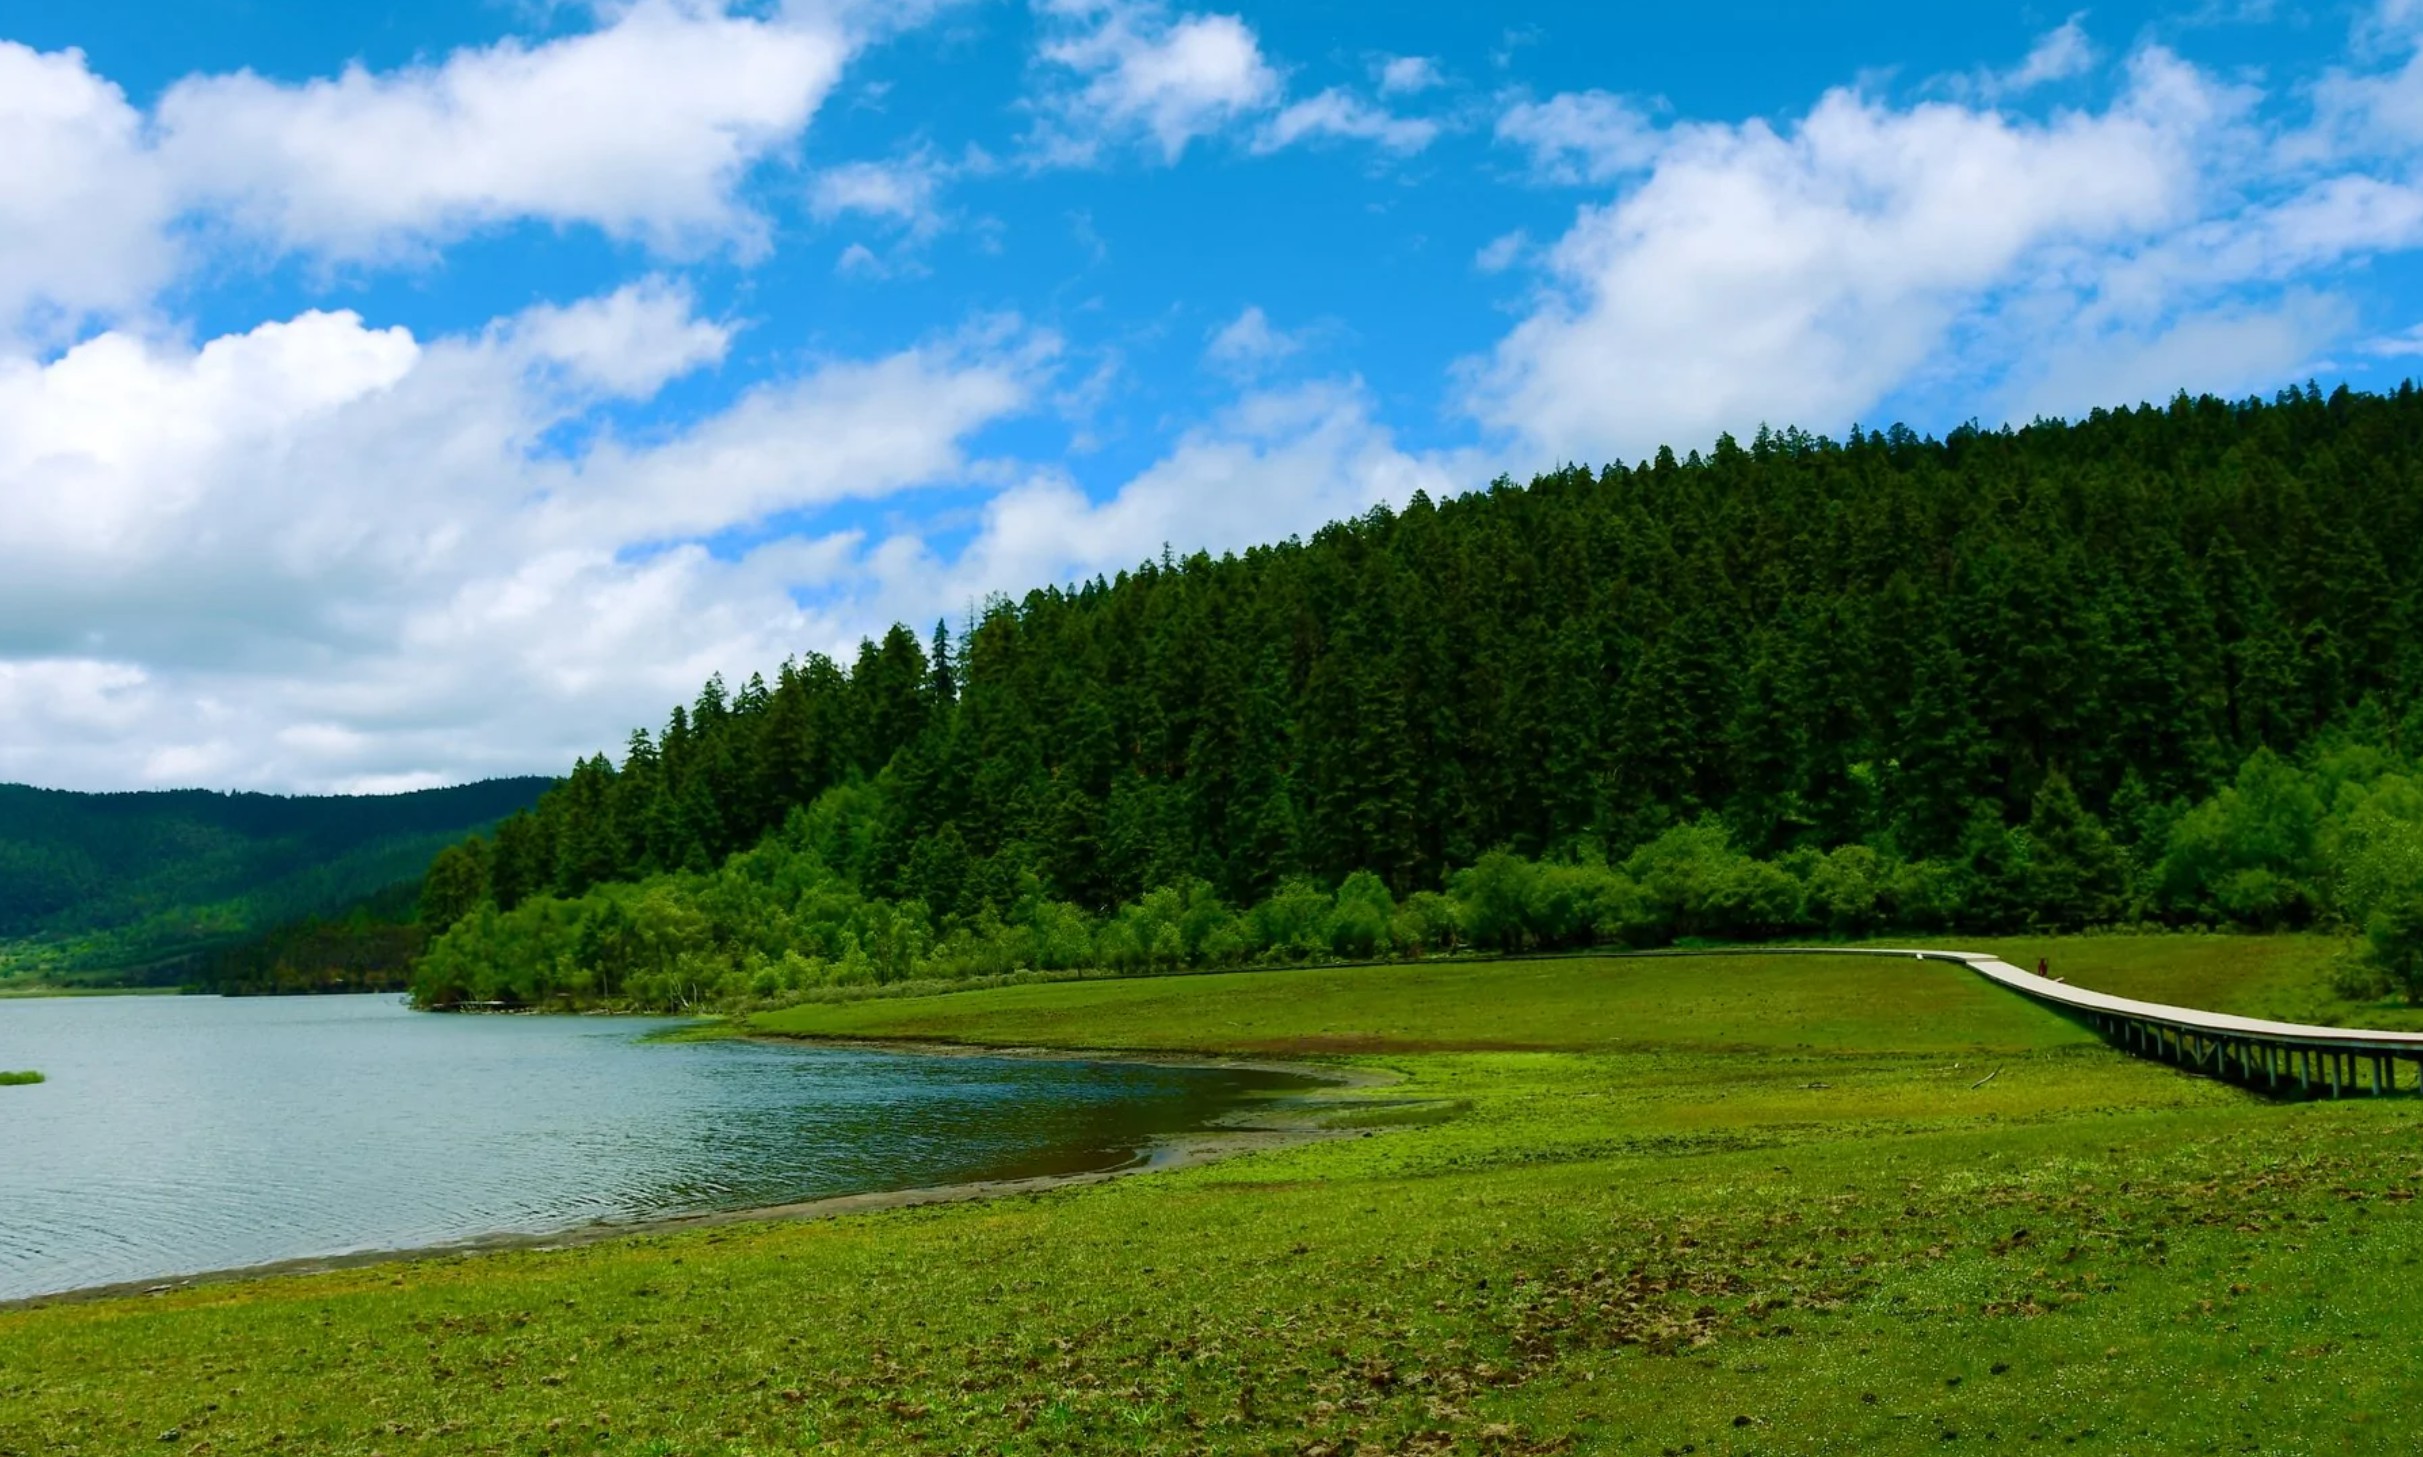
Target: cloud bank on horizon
x=378, y=412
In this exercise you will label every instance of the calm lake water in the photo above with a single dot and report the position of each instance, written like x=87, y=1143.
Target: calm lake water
x=184, y=1134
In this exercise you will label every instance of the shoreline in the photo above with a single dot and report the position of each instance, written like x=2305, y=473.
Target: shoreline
x=1334, y=1074
x=1170, y=1152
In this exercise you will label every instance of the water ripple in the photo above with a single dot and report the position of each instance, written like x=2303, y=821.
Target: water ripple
x=184, y=1134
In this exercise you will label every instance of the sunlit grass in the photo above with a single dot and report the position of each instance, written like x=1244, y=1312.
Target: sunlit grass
x=1604, y=1206
x=1595, y=1003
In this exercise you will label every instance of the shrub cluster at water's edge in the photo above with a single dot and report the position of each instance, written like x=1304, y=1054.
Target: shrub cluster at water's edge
x=19, y=1080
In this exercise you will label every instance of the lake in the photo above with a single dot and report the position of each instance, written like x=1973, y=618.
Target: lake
x=185, y=1134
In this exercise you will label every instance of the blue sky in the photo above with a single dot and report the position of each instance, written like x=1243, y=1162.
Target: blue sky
x=394, y=394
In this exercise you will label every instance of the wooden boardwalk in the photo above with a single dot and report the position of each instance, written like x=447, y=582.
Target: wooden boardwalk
x=2279, y=1057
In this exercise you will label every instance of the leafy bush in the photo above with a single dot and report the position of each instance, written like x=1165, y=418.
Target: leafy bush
x=2337, y=840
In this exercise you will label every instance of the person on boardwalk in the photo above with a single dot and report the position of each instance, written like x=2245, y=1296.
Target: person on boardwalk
x=2044, y=966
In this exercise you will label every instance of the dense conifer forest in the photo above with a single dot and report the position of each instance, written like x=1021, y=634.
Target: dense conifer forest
x=112, y=887
x=2158, y=665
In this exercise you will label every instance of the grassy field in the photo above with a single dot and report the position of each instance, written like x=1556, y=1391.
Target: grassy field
x=1739, y=1205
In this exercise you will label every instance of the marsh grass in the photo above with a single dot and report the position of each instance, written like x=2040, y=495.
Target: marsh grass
x=1716, y=1207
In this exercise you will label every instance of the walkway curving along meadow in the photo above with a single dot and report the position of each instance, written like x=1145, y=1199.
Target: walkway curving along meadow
x=2279, y=1057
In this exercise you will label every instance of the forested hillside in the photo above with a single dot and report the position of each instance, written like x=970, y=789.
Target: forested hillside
x=95, y=884
x=2010, y=677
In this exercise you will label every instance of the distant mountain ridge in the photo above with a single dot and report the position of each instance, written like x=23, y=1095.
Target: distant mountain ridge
x=120, y=886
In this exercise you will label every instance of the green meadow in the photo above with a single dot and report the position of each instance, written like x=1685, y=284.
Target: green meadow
x=1739, y=1204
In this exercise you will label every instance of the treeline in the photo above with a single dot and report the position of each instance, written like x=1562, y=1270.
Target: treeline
x=110, y=888
x=1927, y=651
x=2281, y=846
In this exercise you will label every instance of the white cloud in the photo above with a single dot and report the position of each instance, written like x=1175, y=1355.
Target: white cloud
x=1502, y=252
x=323, y=555
x=473, y=605
x=1943, y=257
x=82, y=204
x=630, y=343
x=1581, y=137
x=860, y=261
x=643, y=128
x=1141, y=72
x=902, y=191
x=1131, y=71
x=1407, y=75
x=2060, y=55
x=848, y=430
x=1335, y=113
x=2372, y=114
x=2406, y=344
x=1248, y=344
x=1803, y=275
x=1277, y=464
x=2229, y=349
x=900, y=197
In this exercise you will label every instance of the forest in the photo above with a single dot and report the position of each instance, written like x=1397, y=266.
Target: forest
x=2157, y=666
x=139, y=887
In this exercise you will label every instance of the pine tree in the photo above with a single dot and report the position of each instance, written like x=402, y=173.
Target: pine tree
x=2076, y=876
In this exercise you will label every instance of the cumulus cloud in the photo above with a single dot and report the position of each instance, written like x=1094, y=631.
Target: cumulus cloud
x=630, y=343
x=332, y=553
x=83, y=205
x=898, y=199
x=643, y=128
x=201, y=608
x=327, y=554
x=848, y=430
x=1278, y=463
x=1803, y=274
x=1140, y=71
x=2229, y=349
x=1131, y=71
x=901, y=191
x=1248, y=344
x=1406, y=75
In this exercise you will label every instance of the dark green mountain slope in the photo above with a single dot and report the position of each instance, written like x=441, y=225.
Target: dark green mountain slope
x=96, y=887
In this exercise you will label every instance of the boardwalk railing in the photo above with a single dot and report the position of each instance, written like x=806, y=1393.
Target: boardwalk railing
x=2274, y=1056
